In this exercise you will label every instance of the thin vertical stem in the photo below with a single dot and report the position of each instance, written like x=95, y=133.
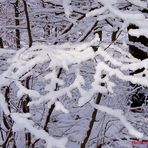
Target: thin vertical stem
x=1, y=43
x=91, y=123
x=17, y=23
x=28, y=23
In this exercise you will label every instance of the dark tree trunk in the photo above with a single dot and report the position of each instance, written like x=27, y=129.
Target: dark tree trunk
x=114, y=36
x=48, y=117
x=1, y=43
x=7, y=119
x=17, y=23
x=25, y=109
x=28, y=23
x=52, y=106
x=91, y=123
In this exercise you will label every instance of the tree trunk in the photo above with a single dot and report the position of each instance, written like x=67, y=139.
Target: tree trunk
x=26, y=109
x=28, y=23
x=114, y=35
x=1, y=43
x=91, y=123
x=52, y=106
x=17, y=23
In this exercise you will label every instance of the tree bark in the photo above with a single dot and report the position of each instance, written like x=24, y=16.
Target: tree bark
x=28, y=23
x=26, y=109
x=17, y=23
x=91, y=123
x=1, y=43
x=114, y=35
x=52, y=106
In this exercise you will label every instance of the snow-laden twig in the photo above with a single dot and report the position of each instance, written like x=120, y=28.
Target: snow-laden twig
x=22, y=123
x=23, y=90
x=69, y=57
x=119, y=114
x=129, y=17
x=4, y=105
x=67, y=7
x=139, y=3
x=139, y=32
x=96, y=12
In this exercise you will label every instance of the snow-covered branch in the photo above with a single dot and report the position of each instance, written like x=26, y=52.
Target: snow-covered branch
x=22, y=123
x=119, y=114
